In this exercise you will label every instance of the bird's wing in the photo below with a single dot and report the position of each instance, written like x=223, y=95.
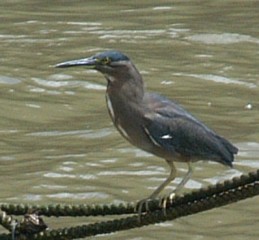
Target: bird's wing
x=184, y=135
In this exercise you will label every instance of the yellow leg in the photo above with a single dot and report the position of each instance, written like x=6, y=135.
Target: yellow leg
x=183, y=182
x=170, y=178
x=185, y=179
x=178, y=187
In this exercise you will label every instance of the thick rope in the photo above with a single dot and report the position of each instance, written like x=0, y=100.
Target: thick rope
x=204, y=199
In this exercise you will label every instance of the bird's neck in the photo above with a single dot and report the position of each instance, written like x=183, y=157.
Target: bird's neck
x=127, y=86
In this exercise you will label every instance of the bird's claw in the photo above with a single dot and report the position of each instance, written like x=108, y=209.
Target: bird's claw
x=164, y=200
x=142, y=206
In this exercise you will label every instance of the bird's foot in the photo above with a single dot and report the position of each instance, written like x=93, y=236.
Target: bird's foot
x=142, y=206
x=164, y=200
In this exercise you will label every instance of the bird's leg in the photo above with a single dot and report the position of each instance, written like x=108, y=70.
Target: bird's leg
x=185, y=179
x=178, y=187
x=170, y=178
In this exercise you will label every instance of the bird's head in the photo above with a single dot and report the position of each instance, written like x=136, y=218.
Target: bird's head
x=113, y=64
x=120, y=72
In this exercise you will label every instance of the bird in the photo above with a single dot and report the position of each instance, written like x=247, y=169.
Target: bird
x=154, y=123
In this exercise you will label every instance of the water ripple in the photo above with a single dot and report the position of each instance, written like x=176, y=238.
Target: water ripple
x=9, y=80
x=58, y=81
x=218, y=79
x=129, y=173
x=223, y=38
x=78, y=195
x=70, y=176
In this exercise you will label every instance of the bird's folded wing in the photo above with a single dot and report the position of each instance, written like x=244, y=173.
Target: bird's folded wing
x=183, y=136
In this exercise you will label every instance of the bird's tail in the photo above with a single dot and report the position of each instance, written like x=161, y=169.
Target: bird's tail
x=227, y=151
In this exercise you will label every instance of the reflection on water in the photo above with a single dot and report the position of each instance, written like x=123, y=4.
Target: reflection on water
x=57, y=142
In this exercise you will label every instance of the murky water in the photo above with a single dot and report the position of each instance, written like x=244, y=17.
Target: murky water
x=57, y=142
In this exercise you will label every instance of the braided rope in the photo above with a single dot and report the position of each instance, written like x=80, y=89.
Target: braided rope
x=221, y=194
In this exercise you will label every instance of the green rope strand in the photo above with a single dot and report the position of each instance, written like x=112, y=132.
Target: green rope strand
x=60, y=210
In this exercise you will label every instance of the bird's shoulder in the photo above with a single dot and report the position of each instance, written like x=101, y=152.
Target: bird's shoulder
x=158, y=106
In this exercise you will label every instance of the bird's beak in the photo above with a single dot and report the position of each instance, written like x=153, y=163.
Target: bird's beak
x=80, y=62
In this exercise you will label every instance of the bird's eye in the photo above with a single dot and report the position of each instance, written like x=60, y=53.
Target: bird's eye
x=105, y=61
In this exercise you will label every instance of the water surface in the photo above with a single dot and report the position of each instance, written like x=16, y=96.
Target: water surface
x=57, y=142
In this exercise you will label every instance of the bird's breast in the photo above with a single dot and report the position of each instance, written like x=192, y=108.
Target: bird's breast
x=128, y=118
x=115, y=116
x=110, y=107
